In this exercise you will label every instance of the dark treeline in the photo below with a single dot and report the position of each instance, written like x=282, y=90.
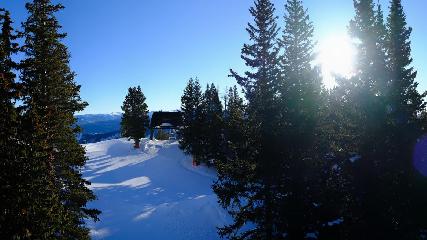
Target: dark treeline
x=298, y=161
x=42, y=192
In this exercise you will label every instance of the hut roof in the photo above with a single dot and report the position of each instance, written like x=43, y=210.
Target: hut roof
x=174, y=119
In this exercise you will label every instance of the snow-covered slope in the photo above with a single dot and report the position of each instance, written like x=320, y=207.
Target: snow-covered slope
x=151, y=193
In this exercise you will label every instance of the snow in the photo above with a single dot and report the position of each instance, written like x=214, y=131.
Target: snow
x=151, y=193
x=131, y=183
x=355, y=158
x=336, y=222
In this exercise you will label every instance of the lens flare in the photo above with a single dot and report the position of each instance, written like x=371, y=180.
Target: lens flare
x=420, y=156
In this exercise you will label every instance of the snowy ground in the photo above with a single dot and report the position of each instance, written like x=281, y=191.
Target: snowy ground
x=151, y=193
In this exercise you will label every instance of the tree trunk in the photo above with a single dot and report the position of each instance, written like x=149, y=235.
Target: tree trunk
x=136, y=146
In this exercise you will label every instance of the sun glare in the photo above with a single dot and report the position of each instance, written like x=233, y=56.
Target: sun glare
x=336, y=57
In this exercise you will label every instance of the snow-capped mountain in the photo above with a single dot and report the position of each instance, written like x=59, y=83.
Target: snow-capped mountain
x=98, y=127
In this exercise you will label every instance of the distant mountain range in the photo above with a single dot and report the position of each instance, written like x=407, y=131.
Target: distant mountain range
x=99, y=127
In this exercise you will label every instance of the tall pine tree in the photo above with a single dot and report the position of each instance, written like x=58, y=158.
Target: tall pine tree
x=192, y=120
x=304, y=169
x=249, y=193
x=234, y=125
x=383, y=173
x=407, y=102
x=12, y=151
x=51, y=98
x=405, y=128
x=212, y=124
x=364, y=118
x=135, y=121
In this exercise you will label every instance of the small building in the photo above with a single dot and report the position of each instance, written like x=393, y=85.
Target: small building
x=169, y=121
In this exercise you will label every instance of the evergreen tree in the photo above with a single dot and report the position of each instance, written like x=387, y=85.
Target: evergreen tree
x=356, y=110
x=405, y=127
x=249, y=192
x=12, y=152
x=57, y=191
x=234, y=125
x=212, y=124
x=380, y=28
x=232, y=167
x=384, y=172
x=406, y=101
x=338, y=132
x=297, y=43
x=368, y=27
x=135, y=121
x=364, y=119
x=192, y=114
x=307, y=176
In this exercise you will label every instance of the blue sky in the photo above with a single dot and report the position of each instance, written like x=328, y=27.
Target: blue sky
x=159, y=45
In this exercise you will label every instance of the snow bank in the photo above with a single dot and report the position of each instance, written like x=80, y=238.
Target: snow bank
x=151, y=193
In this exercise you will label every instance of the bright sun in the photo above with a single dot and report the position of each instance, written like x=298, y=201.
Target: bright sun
x=336, y=57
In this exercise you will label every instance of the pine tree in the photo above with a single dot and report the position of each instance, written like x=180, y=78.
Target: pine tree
x=307, y=176
x=405, y=127
x=193, y=118
x=368, y=27
x=297, y=43
x=407, y=102
x=234, y=125
x=356, y=110
x=380, y=28
x=232, y=167
x=249, y=193
x=339, y=133
x=383, y=173
x=12, y=152
x=58, y=192
x=297, y=95
x=365, y=118
x=135, y=121
x=212, y=124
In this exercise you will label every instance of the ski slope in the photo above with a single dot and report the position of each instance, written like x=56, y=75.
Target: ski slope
x=151, y=193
